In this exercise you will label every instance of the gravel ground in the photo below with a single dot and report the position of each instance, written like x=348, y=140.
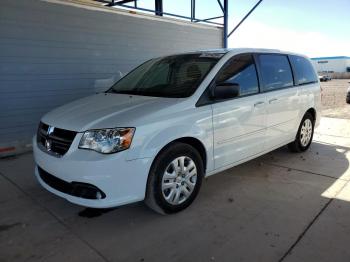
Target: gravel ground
x=333, y=98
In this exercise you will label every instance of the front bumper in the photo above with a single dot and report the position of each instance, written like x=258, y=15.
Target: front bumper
x=122, y=181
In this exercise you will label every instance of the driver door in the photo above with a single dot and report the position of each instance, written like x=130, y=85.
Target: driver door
x=239, y=123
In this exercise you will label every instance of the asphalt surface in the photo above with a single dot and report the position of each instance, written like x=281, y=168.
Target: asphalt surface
x=279, y=207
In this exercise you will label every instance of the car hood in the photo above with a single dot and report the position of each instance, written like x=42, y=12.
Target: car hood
x=105, y=110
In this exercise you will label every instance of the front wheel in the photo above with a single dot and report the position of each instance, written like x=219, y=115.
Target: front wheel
x=304, y=136
x=175, y=178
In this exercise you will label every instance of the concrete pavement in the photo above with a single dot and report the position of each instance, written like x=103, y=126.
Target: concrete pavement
x=279, y=207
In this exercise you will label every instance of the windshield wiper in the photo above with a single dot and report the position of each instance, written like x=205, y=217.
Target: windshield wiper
x=140, y=93
x=125, y=92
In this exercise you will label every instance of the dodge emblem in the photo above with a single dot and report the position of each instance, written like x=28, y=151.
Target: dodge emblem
x=50, y=130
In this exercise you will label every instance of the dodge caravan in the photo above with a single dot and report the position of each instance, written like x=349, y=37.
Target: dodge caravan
x=172, y=121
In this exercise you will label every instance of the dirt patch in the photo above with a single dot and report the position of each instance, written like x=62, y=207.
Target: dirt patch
x=333, y=98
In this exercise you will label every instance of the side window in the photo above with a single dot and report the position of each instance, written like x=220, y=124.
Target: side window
x=304, y=71
x=275, y=72
x=241, y=70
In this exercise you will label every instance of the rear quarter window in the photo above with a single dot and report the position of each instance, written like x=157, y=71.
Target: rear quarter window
x=304, y=72
x=276, y=72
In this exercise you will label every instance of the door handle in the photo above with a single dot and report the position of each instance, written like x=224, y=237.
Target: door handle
x=258, y=103
x=272, y=100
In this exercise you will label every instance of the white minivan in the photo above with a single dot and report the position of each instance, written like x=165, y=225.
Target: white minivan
x=157, y=132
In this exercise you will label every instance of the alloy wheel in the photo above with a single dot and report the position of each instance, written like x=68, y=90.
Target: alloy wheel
x=306, y=132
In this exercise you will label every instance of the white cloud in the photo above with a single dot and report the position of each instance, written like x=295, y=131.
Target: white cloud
x=313, y=44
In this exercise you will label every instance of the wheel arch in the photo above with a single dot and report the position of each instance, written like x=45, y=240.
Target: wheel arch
x=192, y=141
x=312, y=111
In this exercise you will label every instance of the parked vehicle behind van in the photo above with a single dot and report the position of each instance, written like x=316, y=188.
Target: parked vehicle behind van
x=157, y=132
x=324, y=78
x=348, y=95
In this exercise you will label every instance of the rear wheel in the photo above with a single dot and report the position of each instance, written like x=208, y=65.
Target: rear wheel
x=175, y=179
x=304, y=136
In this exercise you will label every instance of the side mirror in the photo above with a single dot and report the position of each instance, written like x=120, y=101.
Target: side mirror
x=226, y=90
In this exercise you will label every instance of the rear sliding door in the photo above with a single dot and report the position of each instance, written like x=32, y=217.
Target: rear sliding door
x=282, y=99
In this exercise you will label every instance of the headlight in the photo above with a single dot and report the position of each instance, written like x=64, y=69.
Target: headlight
x=107, y=141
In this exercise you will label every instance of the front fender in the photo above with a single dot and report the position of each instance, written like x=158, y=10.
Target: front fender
x=151, y=138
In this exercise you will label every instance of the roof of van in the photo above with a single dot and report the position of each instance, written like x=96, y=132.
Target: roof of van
x=226, y=50
x=246, y=50
x=219, y=52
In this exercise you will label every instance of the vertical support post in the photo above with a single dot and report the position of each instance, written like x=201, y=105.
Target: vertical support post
x=135, y=3
x=159, y=7
x=225, y=23
x=193, y=10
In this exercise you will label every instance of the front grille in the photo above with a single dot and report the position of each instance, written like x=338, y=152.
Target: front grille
x=55, y=141
x=77, y=189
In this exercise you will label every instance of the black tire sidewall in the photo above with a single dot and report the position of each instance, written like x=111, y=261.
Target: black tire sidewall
x=162, y=162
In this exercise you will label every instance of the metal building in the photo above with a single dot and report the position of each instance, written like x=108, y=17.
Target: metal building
x=334, y=64
x=53, y=52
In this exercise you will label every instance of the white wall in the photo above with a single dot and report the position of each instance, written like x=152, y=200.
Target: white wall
x=52, y=52
x=336, y=65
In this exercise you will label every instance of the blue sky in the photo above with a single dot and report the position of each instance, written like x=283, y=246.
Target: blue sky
x=315, y=28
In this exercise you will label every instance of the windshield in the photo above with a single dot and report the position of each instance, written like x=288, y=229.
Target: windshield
x=171, y=76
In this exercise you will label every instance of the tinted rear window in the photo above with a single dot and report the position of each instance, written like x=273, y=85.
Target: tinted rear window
x=275, y=72
x=303, y=70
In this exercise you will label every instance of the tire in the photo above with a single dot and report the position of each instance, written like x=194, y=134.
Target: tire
x=171, y=189
x=305, y=134
x=348, y=99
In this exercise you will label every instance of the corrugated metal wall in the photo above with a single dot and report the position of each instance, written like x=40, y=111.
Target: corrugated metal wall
x=55, y=52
